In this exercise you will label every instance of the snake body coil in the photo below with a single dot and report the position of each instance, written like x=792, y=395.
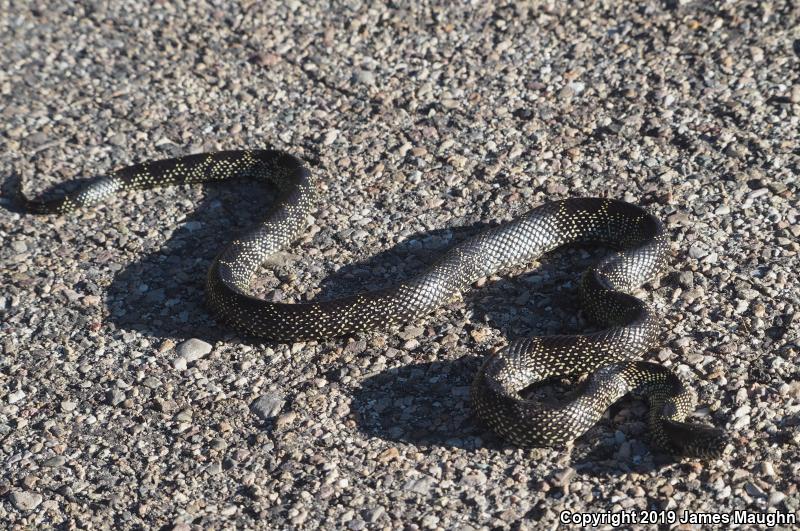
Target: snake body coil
x=611, y=355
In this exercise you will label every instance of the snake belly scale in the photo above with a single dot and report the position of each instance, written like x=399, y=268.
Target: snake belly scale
x=611, y=357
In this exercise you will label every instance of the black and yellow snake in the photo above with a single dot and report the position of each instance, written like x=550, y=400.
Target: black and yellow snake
x=611, y=357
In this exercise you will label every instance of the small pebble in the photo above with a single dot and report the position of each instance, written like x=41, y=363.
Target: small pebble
x=193, y=349
x=55, y=461
x=16, y=396
x=285, y=419
x=268, y=405
x=24, y=500
x=365, y=77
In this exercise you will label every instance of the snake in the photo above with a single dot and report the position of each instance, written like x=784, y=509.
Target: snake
x=609, y=361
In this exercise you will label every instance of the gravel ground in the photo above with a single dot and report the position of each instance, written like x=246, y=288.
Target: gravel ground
x=121, y=401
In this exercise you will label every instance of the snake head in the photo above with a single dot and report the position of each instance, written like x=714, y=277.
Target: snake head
x=695, y=440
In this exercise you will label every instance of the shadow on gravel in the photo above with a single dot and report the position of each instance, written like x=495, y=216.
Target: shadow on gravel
x=602, y=461
x=423, y=404
x=610, y=468
x=428, y=404
x=162, y=293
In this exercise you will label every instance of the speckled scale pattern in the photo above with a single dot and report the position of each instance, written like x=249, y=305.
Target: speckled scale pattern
x=610, y=356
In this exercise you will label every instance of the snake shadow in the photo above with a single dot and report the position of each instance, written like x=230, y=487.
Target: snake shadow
x=425, y=404
x=161, y=293
x=428, y=404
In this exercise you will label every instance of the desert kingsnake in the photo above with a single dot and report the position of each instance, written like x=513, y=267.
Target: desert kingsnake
x=611, y=356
